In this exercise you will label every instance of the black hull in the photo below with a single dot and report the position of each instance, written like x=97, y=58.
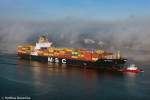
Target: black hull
x=101, y=63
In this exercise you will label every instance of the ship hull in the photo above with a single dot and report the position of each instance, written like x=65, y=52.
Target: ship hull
x=101, y=63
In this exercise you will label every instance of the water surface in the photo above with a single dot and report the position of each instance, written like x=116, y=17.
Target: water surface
x=54, y=82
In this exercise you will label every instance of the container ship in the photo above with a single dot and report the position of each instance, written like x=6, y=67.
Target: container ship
x=44, y=51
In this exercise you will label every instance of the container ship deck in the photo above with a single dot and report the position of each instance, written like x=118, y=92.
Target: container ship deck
x=44, y=51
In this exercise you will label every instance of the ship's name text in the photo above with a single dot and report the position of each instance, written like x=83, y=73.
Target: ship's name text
x=56, y=60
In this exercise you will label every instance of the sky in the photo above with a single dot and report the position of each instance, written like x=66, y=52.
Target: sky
x=80, y=9
x=113, y=25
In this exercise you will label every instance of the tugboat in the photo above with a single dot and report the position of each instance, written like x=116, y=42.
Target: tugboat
x=132, y=68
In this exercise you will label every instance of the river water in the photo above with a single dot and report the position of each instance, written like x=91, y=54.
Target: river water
x=40, y=81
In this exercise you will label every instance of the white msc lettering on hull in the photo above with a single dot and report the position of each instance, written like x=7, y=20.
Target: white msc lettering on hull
x=50, y=59
x=56, y=60
x=63, y=61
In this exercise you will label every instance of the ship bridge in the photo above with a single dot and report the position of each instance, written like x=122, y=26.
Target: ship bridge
x=43, y=43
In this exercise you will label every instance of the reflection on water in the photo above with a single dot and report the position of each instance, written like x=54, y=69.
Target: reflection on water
x=38, y=67
x=54, y=81
x=45, y=73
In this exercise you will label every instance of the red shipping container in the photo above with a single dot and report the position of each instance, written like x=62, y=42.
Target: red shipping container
x=88, y=56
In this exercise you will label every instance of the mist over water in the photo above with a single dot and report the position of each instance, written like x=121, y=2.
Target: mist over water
x=131, y=36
